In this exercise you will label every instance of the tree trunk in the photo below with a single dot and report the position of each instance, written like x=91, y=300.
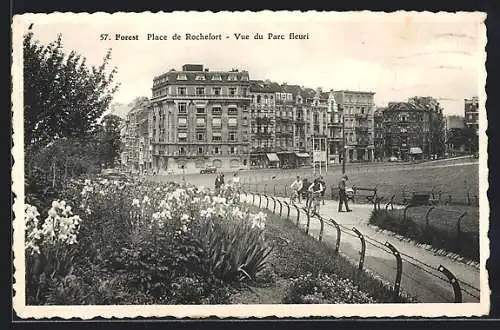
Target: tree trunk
x=65, y=170
x=54, y=175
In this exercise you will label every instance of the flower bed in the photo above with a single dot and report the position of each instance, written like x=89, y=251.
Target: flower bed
x=137, y=242
x=134, y=242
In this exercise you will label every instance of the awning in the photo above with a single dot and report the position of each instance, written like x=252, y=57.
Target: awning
x=415, y=150
x=302, y=154
x=273, y=157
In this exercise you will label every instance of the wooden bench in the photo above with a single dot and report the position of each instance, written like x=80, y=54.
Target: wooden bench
x=370, y=193
x=419, y=199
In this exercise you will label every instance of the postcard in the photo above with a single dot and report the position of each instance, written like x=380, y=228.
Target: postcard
x=250, y=164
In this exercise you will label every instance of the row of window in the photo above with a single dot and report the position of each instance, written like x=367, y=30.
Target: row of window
x=214, y=76
x=203, y=150
x=201, y=91
x=232, y=110
x=216, y=122
x=203, y=77
x=201, y=137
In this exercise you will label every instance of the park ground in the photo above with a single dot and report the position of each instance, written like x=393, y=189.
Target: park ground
x=455, y=178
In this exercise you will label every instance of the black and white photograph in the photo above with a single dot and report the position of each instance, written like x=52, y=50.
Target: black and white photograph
x=250, y=164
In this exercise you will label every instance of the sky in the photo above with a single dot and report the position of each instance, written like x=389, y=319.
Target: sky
x=395, y=55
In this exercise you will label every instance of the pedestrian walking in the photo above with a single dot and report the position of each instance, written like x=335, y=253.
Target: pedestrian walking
x=323, y=183
x=303, y=192
x=296, y=190
x=343, y=194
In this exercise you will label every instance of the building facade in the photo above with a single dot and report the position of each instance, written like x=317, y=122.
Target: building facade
x=379, y=135
x=262, y=126
x=136, y=155
x=199, y=119
x=471, y=111
x=413, y=129
x=356, y=109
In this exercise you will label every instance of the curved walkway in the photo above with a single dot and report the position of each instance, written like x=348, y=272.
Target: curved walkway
x=420, y=277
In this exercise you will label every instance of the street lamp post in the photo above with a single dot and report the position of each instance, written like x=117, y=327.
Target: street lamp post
x=344, y=146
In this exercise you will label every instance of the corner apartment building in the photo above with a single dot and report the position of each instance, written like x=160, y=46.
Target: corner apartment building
x=412, y=129
x=286, y=120
x=355, y=109
x=471, y=111
x=136, y=137
x=262, y=125
x=200, y=118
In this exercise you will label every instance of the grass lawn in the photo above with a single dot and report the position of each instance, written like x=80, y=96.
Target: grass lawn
x=393, y=180
x=445, y=217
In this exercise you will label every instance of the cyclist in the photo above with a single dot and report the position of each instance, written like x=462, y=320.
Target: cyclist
x=315, y=190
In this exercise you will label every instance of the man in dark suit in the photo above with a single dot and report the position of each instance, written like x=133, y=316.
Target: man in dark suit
x=343, y=194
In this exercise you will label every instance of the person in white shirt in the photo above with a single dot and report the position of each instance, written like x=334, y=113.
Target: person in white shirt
x=296, y=189
x=315, y=190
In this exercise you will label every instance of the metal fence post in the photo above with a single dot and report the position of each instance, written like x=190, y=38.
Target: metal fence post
x=391, y=203
x=267, y=201
x=337, y=244
x=281, y=206
x=427, y=214
x=274, y=204
x=253, y=199
x=406, y=211
x=399, y=271
x=321, y=228
x=454, y=282
x=298, y=214
x=363, y=248
x=308, y=222
x=288, y=210
x=459, y=221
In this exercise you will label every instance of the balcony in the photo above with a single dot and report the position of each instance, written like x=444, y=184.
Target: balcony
x=334, y=124
x=364, y=142
x=284, y=102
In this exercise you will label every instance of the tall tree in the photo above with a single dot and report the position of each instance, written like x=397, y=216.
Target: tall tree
x=63, y=97
x=110, y=143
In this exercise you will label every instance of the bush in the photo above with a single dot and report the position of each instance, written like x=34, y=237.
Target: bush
x=324, y=289
x=465, y=244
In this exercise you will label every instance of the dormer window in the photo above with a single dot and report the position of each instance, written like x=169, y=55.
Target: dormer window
x=244, y=78
x=232, y=77
x=200, y=77
x=217, y=77
x=181, y=76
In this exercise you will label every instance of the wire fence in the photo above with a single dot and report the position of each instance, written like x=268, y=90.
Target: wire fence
x=420, y=279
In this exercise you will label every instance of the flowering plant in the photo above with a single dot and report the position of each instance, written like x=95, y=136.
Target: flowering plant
x=49, y=246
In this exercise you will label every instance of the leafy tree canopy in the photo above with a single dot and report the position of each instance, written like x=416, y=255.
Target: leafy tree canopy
x=63, y=97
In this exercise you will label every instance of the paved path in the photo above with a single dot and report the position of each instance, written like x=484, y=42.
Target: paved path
x=417, y=280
